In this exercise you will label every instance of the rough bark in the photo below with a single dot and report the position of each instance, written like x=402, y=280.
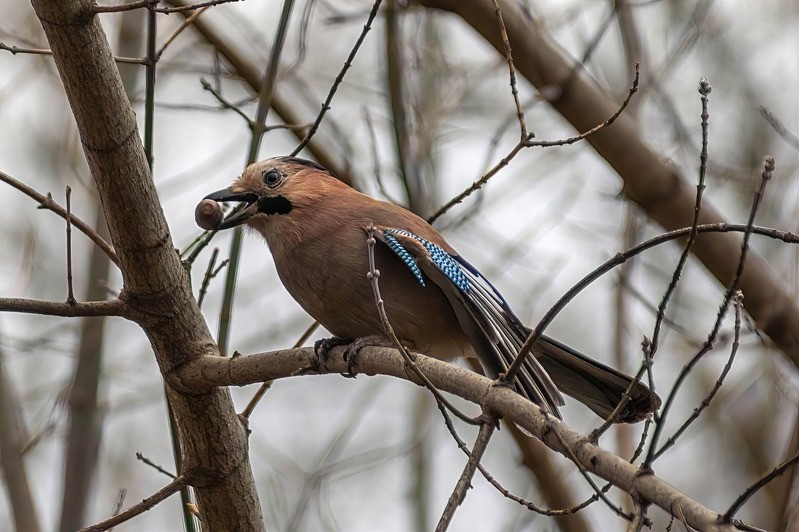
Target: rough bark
x=156, y=286
x=666, y=197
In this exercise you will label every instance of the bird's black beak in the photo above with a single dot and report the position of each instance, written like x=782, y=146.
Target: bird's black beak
x=248, y=206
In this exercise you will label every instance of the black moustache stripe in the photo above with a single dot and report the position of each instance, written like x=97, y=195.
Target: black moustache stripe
x=274, y=205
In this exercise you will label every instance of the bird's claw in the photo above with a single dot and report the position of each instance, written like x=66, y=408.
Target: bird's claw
x=322, y=349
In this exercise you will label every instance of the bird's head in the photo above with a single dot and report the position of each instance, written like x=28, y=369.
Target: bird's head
x=268, y=190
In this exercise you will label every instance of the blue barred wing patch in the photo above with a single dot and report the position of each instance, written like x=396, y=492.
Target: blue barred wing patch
x=403, y=254
x=443, y=260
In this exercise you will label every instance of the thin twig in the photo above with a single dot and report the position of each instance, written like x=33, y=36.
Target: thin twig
x=651, y=345
x=593, y=44
x=339, y=78
x=207, y=277
x=210, y=273
x=247, y=412
x=511, y=70
x=113, y=307
x=599, y=492
x=374, y=275
x=704, y=91
x=188, y=21
x=142, y=458
x=149, y=87
x=765, y=177
x=47, y=202
x=70, y=293
x=22, y=50
x=621, y=258
x=196, y=246
x=170, y=489
x=737, y=303
x=458, y=495
x=198, y=5
x=43, y=51
x=751, y=490
x=225, y=103
x=528, y=143
x=501, y=489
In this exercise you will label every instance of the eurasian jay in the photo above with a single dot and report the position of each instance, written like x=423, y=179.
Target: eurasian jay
x=315, y=227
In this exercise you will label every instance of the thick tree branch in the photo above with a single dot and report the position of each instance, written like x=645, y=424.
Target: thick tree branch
x=665, y=195
x=219, y=371
x=156, y=285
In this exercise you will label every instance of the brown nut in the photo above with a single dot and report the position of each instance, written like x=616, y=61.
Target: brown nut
x=208, y=214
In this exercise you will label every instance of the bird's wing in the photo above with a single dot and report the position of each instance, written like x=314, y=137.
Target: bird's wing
x=494, y=331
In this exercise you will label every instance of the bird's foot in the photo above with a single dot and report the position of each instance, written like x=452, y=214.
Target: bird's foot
x=323, y=347
x=375, y=340
x=351, y=352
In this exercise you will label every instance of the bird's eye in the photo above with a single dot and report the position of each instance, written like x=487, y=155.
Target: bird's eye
x=272, y=178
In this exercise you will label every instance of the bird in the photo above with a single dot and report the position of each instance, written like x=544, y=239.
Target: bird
x=437, y=303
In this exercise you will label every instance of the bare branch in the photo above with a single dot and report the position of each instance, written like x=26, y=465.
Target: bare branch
x=339, y=78
x=737, y=302
x=114, y=307
x=240, y=60
x=704, y=90
x=621, y=258
x=248, y=410
x=458, y=495
x=527, y=143
x=751, y=490
x=147, y=504
x=374, y=278
x=140, y=457
x=192, y=7
x=47, y=202
x=511, y=70
x=43, y=51
x=765, y=177
x=121, y=8
x=70, y=293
